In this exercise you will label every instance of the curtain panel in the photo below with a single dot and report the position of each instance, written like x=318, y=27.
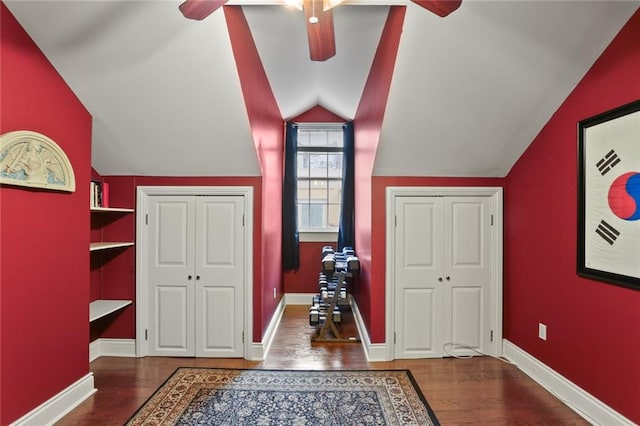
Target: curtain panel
x=346, y=231
x=290, y=238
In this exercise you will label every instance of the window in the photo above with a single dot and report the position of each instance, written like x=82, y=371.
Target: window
x=319, y=176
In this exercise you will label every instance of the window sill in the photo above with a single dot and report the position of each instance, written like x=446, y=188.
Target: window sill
x=318, y=237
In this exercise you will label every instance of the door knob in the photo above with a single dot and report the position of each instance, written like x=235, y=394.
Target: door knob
x=448, y=278
x=440, y=279
x=189, y=277
x=197, y=277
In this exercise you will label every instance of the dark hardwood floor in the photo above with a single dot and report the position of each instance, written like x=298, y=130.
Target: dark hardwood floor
x=482, y=390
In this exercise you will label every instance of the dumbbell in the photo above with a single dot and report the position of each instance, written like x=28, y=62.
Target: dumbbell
x=353, y=263
x=348, y=251
x=337, y=316
x=329, y=264
x=314, y=316
x=327, y=250
x=343, y=294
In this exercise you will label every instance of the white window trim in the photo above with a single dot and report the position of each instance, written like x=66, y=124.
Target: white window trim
x=320, y=126
x=318, y=236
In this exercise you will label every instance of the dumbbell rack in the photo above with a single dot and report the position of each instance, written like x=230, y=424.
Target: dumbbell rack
x=329, y=324
x=337, y=271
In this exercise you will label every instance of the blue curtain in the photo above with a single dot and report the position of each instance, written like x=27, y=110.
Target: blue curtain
x=290, y=251
x=346, y=231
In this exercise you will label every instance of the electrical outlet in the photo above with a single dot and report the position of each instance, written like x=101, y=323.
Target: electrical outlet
x=542, y=331
x=275, y=293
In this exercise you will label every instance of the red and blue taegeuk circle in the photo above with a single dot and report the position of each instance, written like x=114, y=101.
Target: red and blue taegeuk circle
x=624, y=196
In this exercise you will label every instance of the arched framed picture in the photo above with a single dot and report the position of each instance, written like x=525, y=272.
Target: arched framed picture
x=34, y=160
x=609, y=196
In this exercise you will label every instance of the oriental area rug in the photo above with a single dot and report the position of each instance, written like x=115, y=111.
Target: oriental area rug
x=213, y=396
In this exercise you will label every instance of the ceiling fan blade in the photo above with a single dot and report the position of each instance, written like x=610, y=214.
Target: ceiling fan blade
x=322, y=42
x=439, y=7
x=199, y=9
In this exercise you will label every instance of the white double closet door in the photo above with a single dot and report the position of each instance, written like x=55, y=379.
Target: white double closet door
x=195, y=276
x=442, y=264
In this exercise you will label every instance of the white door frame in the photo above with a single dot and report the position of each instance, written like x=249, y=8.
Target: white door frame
x=495, y=348
x=142, y=204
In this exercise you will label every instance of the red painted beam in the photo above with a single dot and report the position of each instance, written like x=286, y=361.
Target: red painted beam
x=199, y=9
x=322, y=43
x=439, y=7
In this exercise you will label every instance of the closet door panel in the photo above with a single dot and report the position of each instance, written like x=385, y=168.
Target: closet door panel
x=170, y=267
x=466, y=316
x=220, y=276
x=419, y=337
x=467, y=271
x=218, y=334
x=172, y=314
x=418, y=277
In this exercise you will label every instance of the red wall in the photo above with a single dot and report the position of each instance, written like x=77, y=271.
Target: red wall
x=593, y=327
x=267, y=128
x=318, y=114
x=305, y=278
x=119, y=274
x=44, y=278
x=367, y=125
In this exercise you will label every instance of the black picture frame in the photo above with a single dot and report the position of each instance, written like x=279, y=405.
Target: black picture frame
x=608, y=187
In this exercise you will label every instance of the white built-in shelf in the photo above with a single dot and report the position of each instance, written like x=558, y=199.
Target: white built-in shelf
x=111, y=209
x=101, y=308
x=104, y=245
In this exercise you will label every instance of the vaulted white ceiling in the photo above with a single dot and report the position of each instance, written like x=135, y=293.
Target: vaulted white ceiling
x=469, y=92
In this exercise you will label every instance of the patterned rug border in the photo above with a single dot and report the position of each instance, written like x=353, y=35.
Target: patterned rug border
x=413, y=381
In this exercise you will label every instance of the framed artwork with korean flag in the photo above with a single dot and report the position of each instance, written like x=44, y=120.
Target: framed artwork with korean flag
x=609, y=196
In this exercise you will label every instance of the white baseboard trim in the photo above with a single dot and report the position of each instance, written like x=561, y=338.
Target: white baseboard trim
x=374, y=351
x=94, y=350
x=59, y=405
x=259, y=350
x=112, y=347
x=299, y=298
x=586, y=405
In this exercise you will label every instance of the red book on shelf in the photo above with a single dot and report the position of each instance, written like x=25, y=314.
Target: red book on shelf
x=105, y=194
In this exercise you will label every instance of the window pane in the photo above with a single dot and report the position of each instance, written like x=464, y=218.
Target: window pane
x=303, y=216
x=335, y=192
x=318, y=191
x=303, y=191
x=318, y=138
x=303, y=138
x=317, y=216
x=335, y=138
x=318, y=163
x=312, y=216
x=335, y=165
x=302, y=161
x=333, y=220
